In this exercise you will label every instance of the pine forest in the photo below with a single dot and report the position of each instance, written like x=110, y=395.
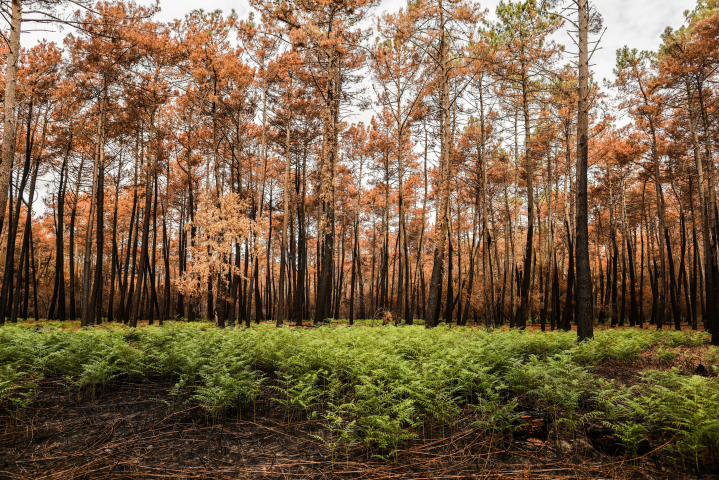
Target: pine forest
x=334, y=239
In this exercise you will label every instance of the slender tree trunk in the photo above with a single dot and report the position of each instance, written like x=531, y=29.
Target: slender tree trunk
x=330, y=118
x=524, y=292
x=445, y=173
x=8, y=141
x=286, y=203
x=166, y=259
x=96, y=301
x=71, y=259
x=585, y=320
x=115, y=262
x=135, y=312
x=60, y=235
x=87, y=307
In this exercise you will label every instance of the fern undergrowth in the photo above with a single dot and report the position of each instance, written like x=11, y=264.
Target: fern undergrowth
x=384, y=387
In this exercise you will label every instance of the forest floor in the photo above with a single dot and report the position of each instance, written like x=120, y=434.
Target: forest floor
x=135, y=428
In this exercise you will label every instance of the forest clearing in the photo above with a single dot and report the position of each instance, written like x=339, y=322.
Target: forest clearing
x=192, y=401
x=359, y=239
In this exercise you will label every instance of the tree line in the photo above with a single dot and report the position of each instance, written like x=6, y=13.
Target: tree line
x=214, y=166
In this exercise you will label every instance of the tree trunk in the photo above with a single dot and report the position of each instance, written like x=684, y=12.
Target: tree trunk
x=286, y=203
x=585, y=320
x=87, y=308
x=8, y=141
x=135, y=312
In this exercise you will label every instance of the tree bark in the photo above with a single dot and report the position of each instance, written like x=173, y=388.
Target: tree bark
x=585, y=320
x=8, y=141
x=286, y=204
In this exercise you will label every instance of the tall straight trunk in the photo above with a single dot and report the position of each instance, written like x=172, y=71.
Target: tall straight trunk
x=569, y=302
x=627, y=264
x=514, y=236
x=60, y=236
x=546, y=300
x=385, y=292
x=292, y=261
x=487, y=272
x=615, y=261
x=152, y=272
x=521, y=321
x=708, y=314
x=623, y=306
x=8, y=141
x=286, y=203
x=711, y=265
x=247, y=299
x=356, y=265
x=135, y=312
x=330, y=120
x=3, y=309
x=166, y=260
x=234, y=314
x=605, y=280
x=36, y=312
x=87, y=308
x=302, y=271
x=268, y=267
x=131, y=252
x=694, y=285
x=401, y=240
x=683, y=280
x=96, y=301
x=419, y=266
x=555, y=289
x=53, y=299
x=259, y=312
x=585, y=317
x=341, y=275
x=633, y=311
x=470, y=282
x=373, y=288
x=568, y=312
x=71, y=253
x=641, y=277
x=353, y=275
x=460, y=285
x=26, y=276
x=445, y=172
x=449, y=297
x=661, y=279
x=294, y=277
x=653, y=274
x=695, y=266
x=115, y=261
